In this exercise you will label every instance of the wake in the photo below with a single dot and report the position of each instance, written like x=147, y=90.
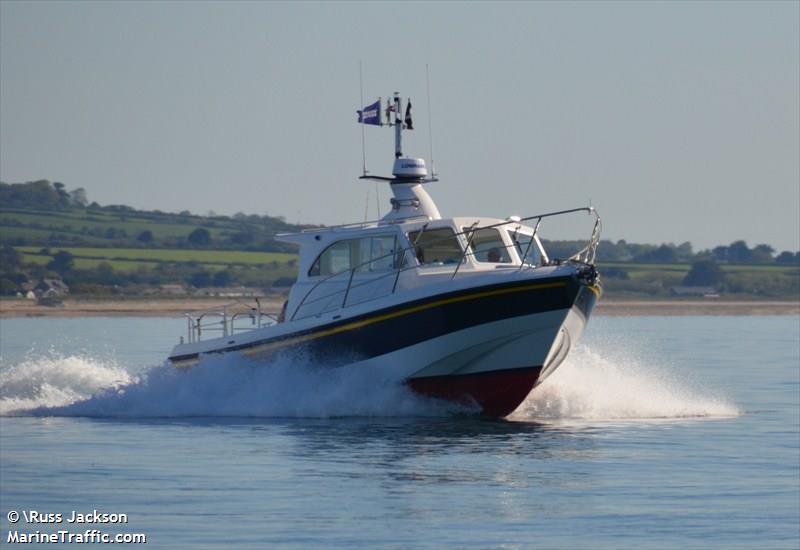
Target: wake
x=228, y=386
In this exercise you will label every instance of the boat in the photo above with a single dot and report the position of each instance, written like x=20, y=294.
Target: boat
x=467, y=309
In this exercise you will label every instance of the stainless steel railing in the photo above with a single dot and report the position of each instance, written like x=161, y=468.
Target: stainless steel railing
x=227, y=320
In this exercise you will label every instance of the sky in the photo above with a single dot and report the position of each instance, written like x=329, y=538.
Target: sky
x=678, y=121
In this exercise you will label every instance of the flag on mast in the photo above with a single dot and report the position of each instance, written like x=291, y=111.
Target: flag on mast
x=389, y=110
x=371, y=114
x=409, y=123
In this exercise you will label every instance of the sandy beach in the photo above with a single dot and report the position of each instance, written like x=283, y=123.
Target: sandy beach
x=177, y=307
x=72, y=307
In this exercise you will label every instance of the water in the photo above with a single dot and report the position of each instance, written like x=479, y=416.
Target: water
x=657, y=433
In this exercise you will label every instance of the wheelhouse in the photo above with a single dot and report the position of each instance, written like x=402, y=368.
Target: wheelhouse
x=347, y=265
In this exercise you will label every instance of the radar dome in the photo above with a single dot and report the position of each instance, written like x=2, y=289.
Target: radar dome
x=409, y=168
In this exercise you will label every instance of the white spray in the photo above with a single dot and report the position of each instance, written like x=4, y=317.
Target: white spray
x=593, y=385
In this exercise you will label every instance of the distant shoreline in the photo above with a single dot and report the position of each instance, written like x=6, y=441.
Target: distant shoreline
x=672, y=308
x=177, y=307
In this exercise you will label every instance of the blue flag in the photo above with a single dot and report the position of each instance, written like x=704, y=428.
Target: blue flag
x=371, y=114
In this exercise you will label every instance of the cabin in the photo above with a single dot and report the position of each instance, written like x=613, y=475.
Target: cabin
x=363, y=262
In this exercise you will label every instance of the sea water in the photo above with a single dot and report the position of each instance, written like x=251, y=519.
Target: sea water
x=658, y=432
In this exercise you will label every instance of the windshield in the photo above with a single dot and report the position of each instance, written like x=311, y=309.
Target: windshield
x=436, y=246
x=487, y=246
x=525, y=246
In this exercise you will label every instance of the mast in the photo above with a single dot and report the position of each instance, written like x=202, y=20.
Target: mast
x=398, y=128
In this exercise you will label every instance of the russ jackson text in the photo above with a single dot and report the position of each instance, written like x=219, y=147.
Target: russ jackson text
x=32, y=516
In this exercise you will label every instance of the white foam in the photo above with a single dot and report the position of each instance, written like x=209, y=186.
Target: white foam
x=617, y=384
x=55, y=380
x=218, y=386
x=594, y=384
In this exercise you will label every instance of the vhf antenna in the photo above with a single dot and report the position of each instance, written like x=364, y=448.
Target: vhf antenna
x=430, y=124
x=363, y=139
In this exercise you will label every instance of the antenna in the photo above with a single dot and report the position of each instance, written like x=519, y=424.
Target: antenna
x=363, y=139
x=430, y=124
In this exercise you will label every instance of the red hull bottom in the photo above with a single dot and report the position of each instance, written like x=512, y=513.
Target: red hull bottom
x=498, y=393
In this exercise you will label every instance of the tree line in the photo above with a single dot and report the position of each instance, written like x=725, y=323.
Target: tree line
x=738, y=252
x=41, y=194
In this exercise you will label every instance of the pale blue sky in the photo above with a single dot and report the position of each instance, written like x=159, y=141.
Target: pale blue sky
x=680, y=121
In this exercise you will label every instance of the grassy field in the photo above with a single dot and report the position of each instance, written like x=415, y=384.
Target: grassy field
x=133, y=259
x=752, y=281
x=91, y=263
x=114, y=228
x=81, y=225
x=225, y=257
x=42, y=235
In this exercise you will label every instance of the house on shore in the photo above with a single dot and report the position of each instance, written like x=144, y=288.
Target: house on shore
x=50, y=288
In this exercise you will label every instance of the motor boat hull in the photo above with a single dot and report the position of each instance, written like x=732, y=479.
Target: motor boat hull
x=486, y=345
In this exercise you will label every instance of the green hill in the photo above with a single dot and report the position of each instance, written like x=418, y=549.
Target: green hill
x=47, y=231
x=121, y=249
x=29, y=216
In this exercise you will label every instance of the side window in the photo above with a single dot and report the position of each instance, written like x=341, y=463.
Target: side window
x=333, y=259
x=436, y=246
x=382, y=253
x=488, y=246
x=369, y=254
